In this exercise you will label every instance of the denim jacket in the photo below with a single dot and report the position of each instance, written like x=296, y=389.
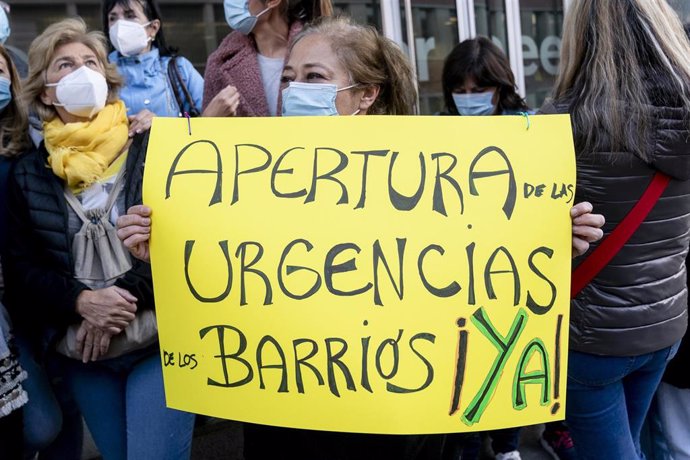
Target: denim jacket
x=147, y=85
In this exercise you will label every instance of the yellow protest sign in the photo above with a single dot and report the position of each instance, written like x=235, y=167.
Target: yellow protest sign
x=363, y=274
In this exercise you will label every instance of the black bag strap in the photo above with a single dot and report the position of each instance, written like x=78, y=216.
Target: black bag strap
x=177, y=84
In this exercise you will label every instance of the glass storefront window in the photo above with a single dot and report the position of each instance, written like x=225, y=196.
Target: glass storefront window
x=435, y=25
x=362, y=11
x=490, y=21
x=27, y=25
x=91, y=15
x=184, y=29
x=542, y=29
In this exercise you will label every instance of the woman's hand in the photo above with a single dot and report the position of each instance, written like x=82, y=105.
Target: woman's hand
x=586, y=227
x=140, y=122
x=134, y=230
x=92, y=342
x=110, y=309
x=224, y=104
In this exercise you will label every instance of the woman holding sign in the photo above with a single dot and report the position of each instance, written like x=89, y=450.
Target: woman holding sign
x=334, y=68
x=68, y=279
x=625, y=81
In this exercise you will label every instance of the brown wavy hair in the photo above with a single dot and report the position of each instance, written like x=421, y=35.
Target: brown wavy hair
x=14, y=121
x=480, y=59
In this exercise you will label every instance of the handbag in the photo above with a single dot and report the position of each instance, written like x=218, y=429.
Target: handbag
x=100, y=259
x=185, y=100
x=609, y=246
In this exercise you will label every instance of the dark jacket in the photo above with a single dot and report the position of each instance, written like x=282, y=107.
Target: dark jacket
x=40, y=289
x=638, y=303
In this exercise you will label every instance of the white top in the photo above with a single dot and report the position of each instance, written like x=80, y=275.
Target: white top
x=271, y=69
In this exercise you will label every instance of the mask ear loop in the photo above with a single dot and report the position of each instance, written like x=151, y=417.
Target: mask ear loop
x=526, y=115
x=261, y=12
x=150, y=38
x=354, y=85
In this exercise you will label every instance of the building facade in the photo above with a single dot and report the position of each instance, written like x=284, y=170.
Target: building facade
x=529, y=31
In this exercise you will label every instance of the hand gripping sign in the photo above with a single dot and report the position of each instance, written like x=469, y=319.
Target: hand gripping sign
x=363, y=274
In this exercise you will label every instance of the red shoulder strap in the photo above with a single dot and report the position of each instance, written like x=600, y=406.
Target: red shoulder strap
x=609, y=247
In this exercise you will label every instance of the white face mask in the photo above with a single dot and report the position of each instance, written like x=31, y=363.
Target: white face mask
x=82, y=93
x=129, y=37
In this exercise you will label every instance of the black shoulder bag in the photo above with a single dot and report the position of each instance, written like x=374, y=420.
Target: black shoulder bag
x=185, y=100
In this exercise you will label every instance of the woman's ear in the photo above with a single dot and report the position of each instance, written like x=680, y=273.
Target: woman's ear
x=369, y=95
x=274, y=3
x=154, y=27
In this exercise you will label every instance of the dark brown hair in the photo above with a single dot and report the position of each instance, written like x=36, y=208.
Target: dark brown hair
x=478, y=58
x=151, y=11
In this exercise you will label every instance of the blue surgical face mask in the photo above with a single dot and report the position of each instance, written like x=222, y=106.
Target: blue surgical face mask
x=5, y=92
x=475, y=103
x=238, y=16
x=4, y=26
x=310, y=99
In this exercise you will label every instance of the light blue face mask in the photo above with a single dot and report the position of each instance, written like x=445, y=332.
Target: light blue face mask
x=5, y=92
x=475, y=103
x=238, y=16
x=310, y=99
x=4, y=26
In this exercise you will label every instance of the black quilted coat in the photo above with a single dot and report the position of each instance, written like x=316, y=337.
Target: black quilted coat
x=40, y=289
x=638, y=303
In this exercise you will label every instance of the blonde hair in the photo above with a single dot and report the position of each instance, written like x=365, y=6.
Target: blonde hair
x=619, y=58
x=43, y=49
x=371, y=60
x=14, y=124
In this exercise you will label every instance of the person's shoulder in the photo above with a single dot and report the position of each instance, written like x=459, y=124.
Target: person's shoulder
x=31, y=162
x=184, y=64
x=553, y=107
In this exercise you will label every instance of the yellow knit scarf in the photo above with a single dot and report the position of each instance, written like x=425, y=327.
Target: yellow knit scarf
x=81, y=153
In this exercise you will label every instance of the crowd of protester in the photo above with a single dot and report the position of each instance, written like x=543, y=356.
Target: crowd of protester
x=73, y=134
